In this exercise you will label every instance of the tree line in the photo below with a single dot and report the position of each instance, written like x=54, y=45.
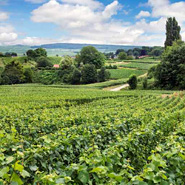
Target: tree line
x=88, y=67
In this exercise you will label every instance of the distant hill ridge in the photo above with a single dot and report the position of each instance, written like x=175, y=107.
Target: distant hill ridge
x=79, y=46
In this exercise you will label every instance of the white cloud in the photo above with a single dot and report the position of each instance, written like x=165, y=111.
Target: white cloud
x=86, y=23
x=143, y=14
x=163, y=8
x=7, y=34
x=36, y=1
x=3, y=16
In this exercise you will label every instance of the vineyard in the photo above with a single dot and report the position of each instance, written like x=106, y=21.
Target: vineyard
x=52, y=135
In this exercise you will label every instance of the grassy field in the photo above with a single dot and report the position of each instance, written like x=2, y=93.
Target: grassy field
x=125, y=73
x=56, y=135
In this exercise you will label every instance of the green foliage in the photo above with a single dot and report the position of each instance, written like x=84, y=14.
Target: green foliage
x=90, y=55
x=66, y=62
x=172, y=31
x=103, y=75
x=145, y=83
x=124, y=73
x=132, y=82
x=122, y=56
x=43, y=62
x=28, y=73
x=76, y=76
x=54, y=135
x=13, y=73
x=171, y=71
x=89, y=74
x=39, y=52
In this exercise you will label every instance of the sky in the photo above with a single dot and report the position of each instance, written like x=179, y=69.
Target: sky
x=117, y=22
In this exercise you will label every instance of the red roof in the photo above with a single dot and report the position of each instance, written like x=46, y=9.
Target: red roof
x=56, y=66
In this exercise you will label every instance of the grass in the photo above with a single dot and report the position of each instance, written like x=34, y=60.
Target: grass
x=125, y=73
x=149, y=60
x=142, y=66
x=55, y=60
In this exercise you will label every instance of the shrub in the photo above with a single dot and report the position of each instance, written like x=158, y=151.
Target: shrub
x=132, y=82
x=130, y=58
x=145, y=83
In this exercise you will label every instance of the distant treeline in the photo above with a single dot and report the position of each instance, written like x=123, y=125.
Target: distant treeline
x=137, y=52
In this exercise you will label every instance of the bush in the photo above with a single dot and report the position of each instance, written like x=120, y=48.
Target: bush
x=103, y=75
x=130, y=58
x=145, y=83
x=89, y=74
x=132, y=82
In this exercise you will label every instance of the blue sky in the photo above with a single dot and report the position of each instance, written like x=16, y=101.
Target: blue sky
x=124, y=22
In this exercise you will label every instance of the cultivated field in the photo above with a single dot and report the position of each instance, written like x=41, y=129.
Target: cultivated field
x=56, y=135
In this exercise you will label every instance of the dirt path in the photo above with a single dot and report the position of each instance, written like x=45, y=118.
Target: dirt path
x=125, y=85
x=119, y=88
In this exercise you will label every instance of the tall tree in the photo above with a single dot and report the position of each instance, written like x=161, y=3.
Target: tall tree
x=172, y=31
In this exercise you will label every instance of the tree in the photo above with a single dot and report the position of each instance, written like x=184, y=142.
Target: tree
x=76, y=76
x=172, y=31
x=170, y=73
x=119, y=51
x=66, y=63
x=43, y=62
x=132, y=82
x=13, y=73
x=103, y=75
x=31, y=54
x=28, y=73
x=157, y=51
x=89, y=74
x=90, y=55
x=122, y=56
x=40, y=52
x=130, y=52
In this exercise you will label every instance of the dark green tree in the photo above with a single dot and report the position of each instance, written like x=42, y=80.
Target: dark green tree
x=90, y=55
x=118, y=51
x=89, y=74
x=31, y=54
x=103, y=75
x=13, y=73
x=40, y=52
x=76, y=76
x=172, y=31
x=132, y=82
x=43, y=62
x=170, y=73
x=28, y=73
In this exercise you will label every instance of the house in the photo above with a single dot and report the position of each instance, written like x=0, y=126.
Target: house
x=56, y=66
x=144, y=56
